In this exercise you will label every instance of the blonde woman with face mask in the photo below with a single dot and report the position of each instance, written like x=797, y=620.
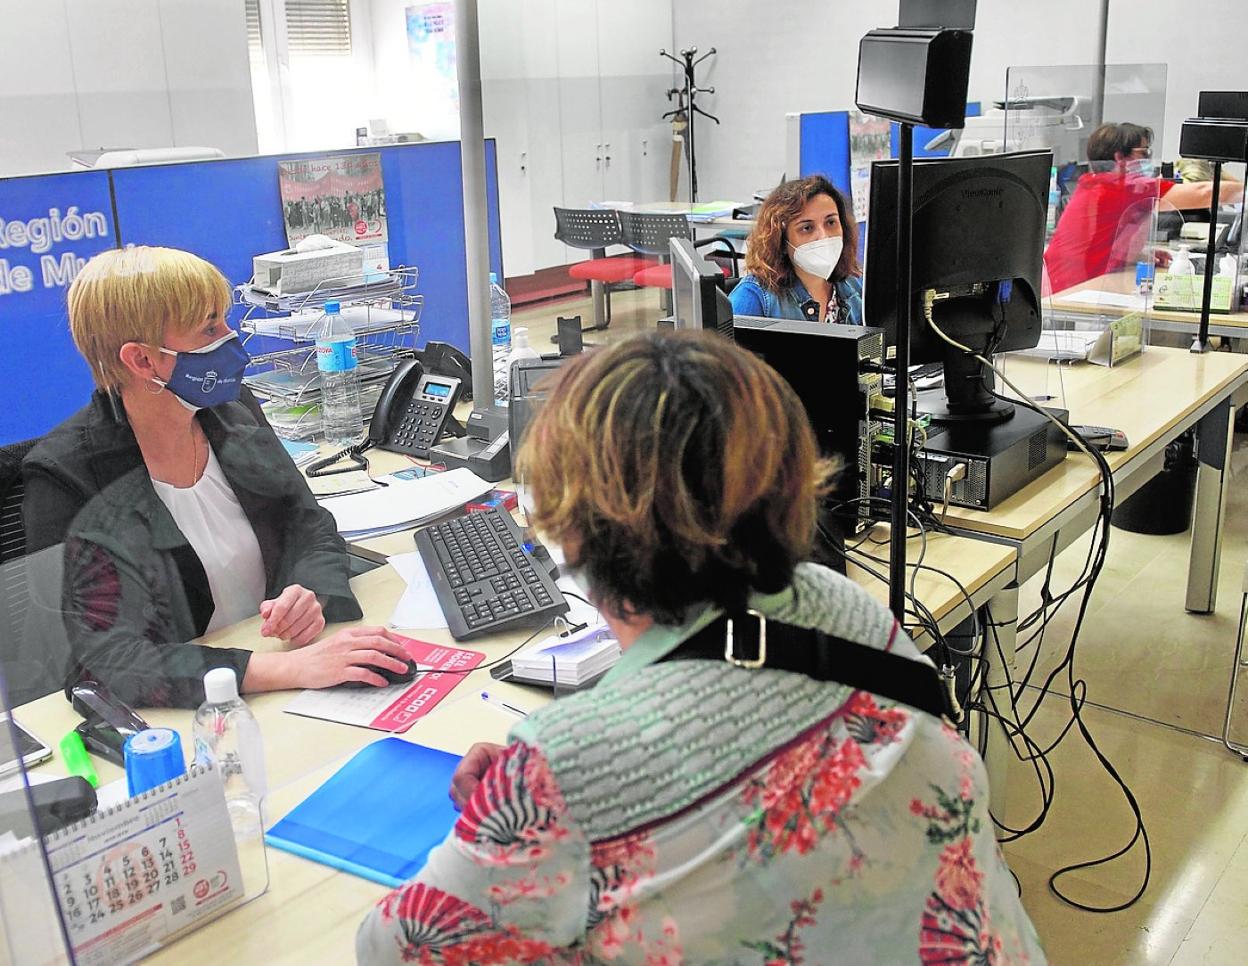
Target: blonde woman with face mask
x=802, y=257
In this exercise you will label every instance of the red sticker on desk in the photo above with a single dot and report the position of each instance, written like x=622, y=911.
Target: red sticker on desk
x=396, y=708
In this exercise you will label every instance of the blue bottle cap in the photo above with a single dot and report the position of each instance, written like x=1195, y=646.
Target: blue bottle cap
x=152, y=758
x=493, y=278
x=333, y=306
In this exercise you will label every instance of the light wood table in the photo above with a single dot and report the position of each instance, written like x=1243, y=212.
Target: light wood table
x=1232, y=325
x=310, y=912
x=1153, y=397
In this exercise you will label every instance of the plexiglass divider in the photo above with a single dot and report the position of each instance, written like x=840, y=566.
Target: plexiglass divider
x=1104, y=245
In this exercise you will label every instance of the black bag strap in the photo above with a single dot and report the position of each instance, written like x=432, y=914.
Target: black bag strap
x=824, y=657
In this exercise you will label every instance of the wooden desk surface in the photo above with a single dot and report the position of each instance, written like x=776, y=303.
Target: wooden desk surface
x=1123, y=283
x=310, y=912
x=1144, y=397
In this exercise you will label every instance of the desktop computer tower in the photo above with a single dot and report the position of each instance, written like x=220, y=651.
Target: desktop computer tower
x=1000, y=458
x=824, y=365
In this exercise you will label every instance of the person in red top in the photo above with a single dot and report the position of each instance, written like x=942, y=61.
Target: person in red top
x=1104, y=226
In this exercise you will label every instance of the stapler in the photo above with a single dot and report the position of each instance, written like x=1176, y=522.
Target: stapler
x=107, y=721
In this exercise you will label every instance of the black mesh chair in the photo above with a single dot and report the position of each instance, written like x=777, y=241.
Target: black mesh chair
x=648, y=233
x=24, y=677
x=595, y=230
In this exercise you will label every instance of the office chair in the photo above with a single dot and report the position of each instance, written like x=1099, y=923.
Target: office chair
x=594, y=230
x=648, y=234
x=22, y=676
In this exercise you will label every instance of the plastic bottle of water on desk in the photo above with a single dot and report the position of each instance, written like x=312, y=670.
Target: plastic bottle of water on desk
x=338, y=363
x=520, y=349
x=226, y=733
x=500, y=338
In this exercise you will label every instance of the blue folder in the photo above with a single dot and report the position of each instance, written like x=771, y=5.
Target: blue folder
x=379, y=815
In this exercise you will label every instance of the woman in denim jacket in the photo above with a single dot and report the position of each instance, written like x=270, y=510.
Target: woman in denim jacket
x=802, y=257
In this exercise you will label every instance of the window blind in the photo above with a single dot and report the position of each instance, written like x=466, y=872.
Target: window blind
x=318, y=27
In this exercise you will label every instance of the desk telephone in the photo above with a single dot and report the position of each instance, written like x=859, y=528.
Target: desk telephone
x=413, y=413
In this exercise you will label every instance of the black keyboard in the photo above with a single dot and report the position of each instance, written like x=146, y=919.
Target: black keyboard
x=484, y=579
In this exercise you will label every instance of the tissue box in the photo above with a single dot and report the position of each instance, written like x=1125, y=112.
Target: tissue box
x=288, y=272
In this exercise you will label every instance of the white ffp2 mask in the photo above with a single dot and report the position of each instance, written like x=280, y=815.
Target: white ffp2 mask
x=819, y=257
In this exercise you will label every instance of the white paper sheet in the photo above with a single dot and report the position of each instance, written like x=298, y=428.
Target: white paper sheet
x=1116, y=300
x=404, y=503
x=418, y=607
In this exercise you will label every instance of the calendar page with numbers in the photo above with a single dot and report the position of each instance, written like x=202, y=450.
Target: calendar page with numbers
x=130, y=877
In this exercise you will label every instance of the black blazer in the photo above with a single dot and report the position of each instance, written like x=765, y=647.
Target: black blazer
x=134, y=591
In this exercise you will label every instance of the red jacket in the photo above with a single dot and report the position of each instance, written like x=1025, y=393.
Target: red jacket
x=1103, y=227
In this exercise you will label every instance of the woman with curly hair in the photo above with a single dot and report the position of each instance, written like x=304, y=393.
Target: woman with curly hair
x=699, y=805
x=802, y=257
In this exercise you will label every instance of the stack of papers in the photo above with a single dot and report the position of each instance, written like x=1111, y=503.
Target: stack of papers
x=404, y=504
x=573, y=661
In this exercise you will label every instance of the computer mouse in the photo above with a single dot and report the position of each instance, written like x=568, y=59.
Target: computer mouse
x=392, y=677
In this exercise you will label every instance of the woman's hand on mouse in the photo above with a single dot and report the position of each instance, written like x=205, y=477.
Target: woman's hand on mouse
x=294, y=616
x=346, y=655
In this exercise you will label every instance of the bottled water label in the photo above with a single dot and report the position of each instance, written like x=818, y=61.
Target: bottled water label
x=338, y=355
x=500, y=332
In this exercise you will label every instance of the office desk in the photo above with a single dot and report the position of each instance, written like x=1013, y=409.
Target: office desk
x=1232, y=326
x=310, y=912
x=1153, y=397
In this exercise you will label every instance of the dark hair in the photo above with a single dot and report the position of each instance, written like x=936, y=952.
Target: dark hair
x=647, y=465
x=1110, y=140
x=765, y=256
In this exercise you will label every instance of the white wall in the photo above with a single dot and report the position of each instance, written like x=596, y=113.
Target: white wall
x=84, y=74
x=802, y=55
x=1204, y=46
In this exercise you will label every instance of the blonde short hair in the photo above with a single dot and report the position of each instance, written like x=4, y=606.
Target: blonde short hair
x=139, y=294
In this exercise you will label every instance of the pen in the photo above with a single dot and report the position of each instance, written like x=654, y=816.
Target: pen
x=490, y=699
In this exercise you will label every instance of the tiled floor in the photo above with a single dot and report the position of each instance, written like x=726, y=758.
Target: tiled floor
x=1139, y=653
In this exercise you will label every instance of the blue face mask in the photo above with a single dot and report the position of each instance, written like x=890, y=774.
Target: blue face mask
x=207, y=377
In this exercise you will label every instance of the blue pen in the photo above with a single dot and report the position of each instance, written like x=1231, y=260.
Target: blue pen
x=490, y=699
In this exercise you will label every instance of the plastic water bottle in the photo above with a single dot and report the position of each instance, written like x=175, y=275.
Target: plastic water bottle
x=500, y=339
x=226, y=734
x=338, y=363
x=1054, y=197
x=520, y=349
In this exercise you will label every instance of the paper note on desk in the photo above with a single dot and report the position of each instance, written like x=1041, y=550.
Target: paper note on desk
x=397, y=707
x=404, y=504
x=1117, y=300
x=418, y=607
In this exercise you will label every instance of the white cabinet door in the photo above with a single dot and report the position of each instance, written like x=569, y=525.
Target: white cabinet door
x=506, y=118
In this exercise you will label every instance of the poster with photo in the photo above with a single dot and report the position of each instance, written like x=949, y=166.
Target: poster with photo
x=869, y=140
x=342, y=197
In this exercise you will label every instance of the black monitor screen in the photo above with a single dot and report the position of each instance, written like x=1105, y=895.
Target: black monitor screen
x=976, y=221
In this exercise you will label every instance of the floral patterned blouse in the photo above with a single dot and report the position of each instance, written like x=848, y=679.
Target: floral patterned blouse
x=693, y=812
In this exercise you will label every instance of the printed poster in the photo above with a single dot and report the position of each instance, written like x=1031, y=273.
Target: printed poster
x=431, y=48
x=869, y=140
x=342, y=197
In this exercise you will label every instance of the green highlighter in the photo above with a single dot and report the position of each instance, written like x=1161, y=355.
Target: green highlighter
x=77, y=760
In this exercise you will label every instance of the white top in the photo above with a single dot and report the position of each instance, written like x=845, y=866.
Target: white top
x=212, y=520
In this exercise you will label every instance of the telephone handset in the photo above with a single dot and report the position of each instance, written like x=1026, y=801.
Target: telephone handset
x=412, y=413
x=414, y=410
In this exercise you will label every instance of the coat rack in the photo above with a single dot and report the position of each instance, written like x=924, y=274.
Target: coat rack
x=687, y=108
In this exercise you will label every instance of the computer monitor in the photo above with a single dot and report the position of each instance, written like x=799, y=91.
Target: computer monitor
x=698, y=298
x=978, y=236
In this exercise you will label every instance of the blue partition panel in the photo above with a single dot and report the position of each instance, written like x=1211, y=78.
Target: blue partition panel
x=49, y=226
x=225, y=211
x=229, y=211
x=824, y=146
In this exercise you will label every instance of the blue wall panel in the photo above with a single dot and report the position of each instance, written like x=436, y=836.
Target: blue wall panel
x=42, y=378
x=226, y=212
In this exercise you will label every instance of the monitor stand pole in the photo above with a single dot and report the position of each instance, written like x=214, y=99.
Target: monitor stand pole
x=901, y=396
x=1206, y=298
